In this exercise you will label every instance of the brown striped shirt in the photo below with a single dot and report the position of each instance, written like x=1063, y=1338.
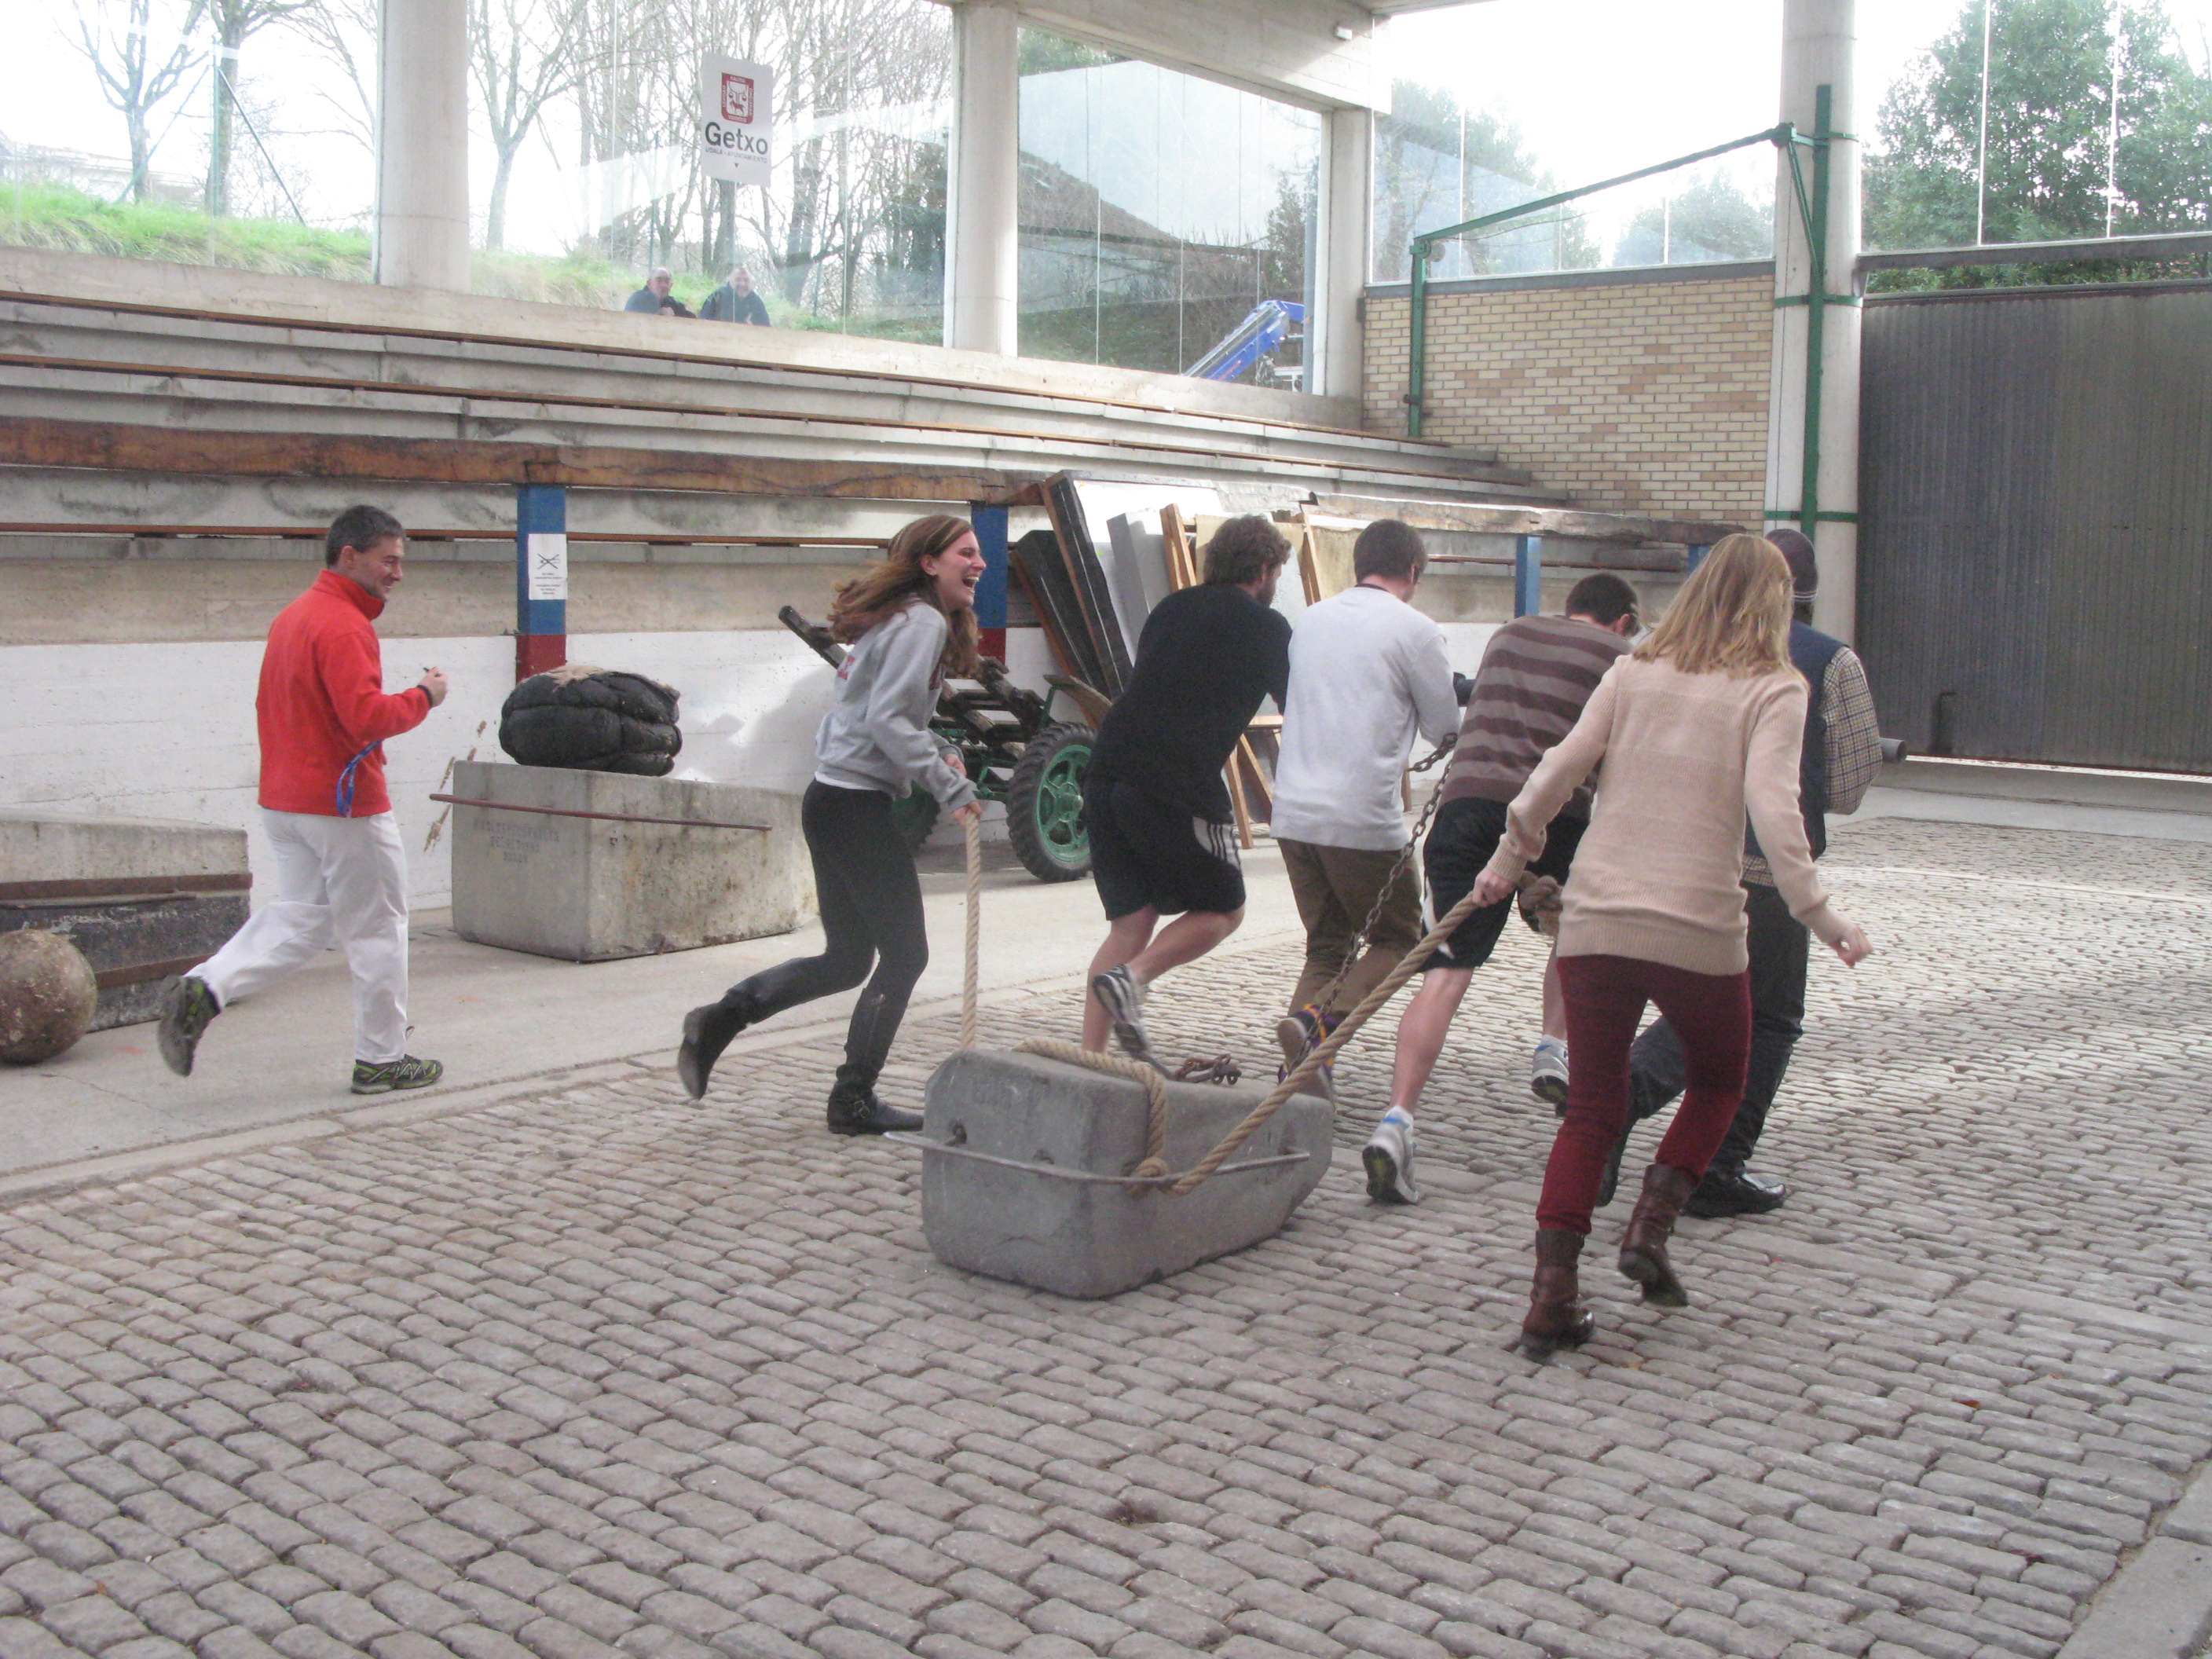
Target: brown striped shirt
x=1535, y=678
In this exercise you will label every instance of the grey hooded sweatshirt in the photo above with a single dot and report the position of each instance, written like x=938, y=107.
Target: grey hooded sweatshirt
x=876, y=735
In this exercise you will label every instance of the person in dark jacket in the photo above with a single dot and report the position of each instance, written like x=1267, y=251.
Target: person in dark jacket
x=735, y=301
x=1162, y=839
x=655, y=300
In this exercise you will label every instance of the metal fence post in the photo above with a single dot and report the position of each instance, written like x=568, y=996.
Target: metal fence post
x=1528, y=575
x=541, y=577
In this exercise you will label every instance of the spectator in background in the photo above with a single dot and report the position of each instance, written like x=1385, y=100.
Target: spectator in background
x=735, y=301
x=654, y=299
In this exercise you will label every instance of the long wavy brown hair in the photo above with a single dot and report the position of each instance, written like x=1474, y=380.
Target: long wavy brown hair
x=897, y=580
x=1731, y=617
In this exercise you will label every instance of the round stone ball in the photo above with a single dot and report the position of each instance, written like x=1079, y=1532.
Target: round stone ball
x=47, y=993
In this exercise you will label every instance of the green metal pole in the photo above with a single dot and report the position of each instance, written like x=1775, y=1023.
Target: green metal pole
x=1816, y=309
x=1417, y=339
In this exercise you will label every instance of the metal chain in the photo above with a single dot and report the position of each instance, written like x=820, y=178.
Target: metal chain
x=1327, y=992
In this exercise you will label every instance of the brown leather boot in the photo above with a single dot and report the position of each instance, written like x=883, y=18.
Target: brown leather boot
x=1644, y=1246
x=1557, y=1318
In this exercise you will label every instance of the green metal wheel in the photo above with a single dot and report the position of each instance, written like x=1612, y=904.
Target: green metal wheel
x=913, y=815
x=1044, y=803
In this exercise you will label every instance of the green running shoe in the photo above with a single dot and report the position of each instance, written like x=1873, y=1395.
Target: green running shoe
x=404, y=1072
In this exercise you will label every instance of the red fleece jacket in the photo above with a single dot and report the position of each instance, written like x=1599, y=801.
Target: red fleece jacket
x=322, y=703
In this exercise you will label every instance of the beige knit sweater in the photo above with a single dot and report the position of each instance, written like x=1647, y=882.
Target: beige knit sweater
x=1659, y=874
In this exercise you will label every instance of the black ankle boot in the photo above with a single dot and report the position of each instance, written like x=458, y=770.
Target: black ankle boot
x=707, y=1032
x=855, y=1110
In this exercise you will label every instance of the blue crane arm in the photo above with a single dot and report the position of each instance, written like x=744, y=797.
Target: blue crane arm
x=1262, y=331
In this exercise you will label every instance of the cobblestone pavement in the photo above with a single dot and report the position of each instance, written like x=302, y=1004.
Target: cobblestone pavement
x=593, y=1372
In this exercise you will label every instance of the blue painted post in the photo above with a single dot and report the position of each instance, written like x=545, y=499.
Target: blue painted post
x=1696, y=558
x=990, y=525
x=1528, y=575
x=541, y=577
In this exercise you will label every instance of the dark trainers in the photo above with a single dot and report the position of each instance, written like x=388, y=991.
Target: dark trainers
x=187, y=1006
x=404, y=1072
x=1123, y=999
x=1736, y=1191
x=1300, y=1034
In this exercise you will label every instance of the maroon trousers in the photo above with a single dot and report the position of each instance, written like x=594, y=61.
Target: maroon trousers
x=1606, y=998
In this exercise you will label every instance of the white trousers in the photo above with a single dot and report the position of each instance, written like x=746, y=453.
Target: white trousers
x=340, y=882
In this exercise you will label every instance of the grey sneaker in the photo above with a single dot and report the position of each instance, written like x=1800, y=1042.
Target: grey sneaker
x=1388, y=1157
x=1123, y=999
x=187, y=1006
x=404, y=1072
x=1547, y=1073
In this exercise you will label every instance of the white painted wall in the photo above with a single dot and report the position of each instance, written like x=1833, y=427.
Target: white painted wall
x=167, y=731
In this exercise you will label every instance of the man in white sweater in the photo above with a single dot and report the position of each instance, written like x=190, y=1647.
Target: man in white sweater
x=1367, y=672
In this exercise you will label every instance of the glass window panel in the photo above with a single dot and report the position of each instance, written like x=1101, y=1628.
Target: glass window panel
x=1501, y=104
x=1157, y=210
x=582, y=172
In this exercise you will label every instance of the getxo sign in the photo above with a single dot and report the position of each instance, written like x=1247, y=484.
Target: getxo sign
x=736, y=119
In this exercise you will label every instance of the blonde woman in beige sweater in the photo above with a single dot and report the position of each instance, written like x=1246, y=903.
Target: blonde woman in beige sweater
x=1701, y=723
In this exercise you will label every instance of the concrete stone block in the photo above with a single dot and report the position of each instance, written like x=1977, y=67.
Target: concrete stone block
x=1024, y=1159
x=144, y=898
x=596, y=888
x=2161, y=1608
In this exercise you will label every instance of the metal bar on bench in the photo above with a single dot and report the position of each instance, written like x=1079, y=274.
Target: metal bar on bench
x=610, y=817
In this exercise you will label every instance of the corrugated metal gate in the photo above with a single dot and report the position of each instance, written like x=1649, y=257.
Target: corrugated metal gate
x=2035, y=576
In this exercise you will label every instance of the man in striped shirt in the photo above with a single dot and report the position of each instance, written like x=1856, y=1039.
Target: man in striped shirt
x=1535, y=677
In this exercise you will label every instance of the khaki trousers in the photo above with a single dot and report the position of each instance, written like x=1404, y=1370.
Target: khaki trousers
x=1335, y=887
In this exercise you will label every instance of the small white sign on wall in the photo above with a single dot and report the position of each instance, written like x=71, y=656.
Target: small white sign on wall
x=736, y=114
x=548, y=576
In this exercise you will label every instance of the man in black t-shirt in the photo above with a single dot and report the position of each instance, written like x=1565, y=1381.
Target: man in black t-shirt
x=1162, y=840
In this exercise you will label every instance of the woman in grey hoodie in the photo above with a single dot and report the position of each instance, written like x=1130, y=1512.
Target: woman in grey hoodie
x=910, y=621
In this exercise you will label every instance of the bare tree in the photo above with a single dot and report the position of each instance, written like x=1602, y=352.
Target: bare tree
x=138, y=71
x=234, y=20
x=522, y=54
x=344, y=31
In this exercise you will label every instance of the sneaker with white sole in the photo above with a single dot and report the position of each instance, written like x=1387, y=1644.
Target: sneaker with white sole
x=1388, y=1159
x=1123, y=999
x=1547, y=1073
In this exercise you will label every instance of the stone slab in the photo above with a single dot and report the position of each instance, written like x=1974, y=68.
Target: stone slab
x=1016, y=1146
x=599, y=889
x=37, y=845
x=2161, y=1608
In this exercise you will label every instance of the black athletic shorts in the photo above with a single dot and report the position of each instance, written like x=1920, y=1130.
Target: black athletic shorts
x=1461, y=843
x=1148, y=853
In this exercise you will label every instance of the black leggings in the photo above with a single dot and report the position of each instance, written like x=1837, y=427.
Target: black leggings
x=872, y=913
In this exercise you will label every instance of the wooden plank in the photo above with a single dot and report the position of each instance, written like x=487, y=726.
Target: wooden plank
x=1035, y=558
x=1514, y=519
x=29, y=441
x=1181, y=565
x=1072, y=528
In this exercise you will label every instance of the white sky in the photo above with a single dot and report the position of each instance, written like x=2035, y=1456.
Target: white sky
x=1598, y=87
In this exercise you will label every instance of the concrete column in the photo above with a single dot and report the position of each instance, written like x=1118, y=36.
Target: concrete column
x=1333, y=343
x=982, y=264
x=423, y=145
x=1819, y=48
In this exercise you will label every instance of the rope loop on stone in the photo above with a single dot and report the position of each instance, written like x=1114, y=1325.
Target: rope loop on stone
x=1154, y=1166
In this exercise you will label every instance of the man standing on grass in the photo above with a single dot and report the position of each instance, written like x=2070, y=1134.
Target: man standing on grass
x=1162, y=840
x=341, y=876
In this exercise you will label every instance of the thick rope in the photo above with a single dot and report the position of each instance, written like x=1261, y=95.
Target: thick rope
x=1154, y=1167
x=1155, y=1164
x=971, y=973
x=1321, y=1053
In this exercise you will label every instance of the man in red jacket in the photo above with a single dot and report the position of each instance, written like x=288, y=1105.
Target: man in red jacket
x=341, y=877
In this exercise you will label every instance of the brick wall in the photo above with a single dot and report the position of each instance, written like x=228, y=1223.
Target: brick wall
x=1633, y=397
